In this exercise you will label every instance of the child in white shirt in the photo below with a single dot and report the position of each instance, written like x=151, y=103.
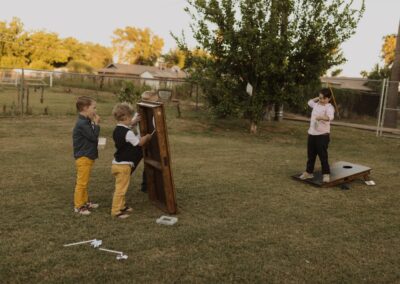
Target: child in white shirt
x=318, y=134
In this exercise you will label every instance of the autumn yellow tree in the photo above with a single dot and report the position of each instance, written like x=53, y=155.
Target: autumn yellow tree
x=46, y=51
x=175, y=57
x=137, y=46
x=388, y=48
x=13, y=42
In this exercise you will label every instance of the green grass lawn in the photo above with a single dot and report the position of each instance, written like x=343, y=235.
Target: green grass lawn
x=241, y=217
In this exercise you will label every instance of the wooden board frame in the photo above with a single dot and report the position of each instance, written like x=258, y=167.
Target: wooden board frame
x=156, y=156
x=341, y=172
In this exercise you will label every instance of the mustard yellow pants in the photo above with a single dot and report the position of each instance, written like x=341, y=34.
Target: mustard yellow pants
x=122, y=174
x=83, y=168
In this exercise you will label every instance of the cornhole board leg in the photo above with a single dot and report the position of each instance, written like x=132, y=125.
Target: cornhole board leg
x=341, y=172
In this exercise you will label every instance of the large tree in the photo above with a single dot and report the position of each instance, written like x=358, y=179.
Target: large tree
x=275, y=46
x=391, y=113
x=45, y=50
x=388, y=49
x=137, y=46
x=13, y=41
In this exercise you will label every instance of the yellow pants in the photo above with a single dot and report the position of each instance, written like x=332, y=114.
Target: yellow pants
x=83, y=168
x=122, y=174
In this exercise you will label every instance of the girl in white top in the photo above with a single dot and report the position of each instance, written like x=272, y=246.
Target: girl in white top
x=318, y=134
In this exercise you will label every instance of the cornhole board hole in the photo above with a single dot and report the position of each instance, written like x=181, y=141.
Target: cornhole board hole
x=341, y=172
x=156, y=156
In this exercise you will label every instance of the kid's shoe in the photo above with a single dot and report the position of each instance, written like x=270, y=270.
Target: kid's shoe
x=326, y=178
x=127, y=209
x=306, y=175
x=91, y=205
x=122, y=215
x=82, y=211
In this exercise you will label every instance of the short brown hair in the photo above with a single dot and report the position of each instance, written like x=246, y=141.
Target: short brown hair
x=122, y=110
x=83, y=102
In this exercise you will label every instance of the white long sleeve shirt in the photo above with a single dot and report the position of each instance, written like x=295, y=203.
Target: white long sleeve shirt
x=320, y=127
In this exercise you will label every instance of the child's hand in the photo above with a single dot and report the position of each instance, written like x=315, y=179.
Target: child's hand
x=136, y=119
x=323, y=117
x=96, y=119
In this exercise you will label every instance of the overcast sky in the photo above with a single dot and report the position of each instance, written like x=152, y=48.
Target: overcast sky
x=95, y=21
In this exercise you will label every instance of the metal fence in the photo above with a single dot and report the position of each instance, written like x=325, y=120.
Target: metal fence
x=389, y=110
x=27, y=91
x=360, y=103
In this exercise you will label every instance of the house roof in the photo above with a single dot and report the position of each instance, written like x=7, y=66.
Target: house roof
x=137, y=70
x=351, y=83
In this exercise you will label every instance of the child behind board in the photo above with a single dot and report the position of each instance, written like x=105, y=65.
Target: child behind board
x=85, y=139
x=128, y=154
x=318, y=134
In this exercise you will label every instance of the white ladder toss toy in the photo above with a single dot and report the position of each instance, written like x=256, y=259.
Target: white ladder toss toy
x=120, y=254
x=94, y=243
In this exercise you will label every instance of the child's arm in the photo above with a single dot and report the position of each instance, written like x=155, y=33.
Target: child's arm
x=311, y=103
x=136, y=119
x=88, y=132
x=145, y=139
x=329, y=115
x=136, y=140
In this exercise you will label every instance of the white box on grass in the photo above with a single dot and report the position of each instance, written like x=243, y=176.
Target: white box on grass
x=167, y=220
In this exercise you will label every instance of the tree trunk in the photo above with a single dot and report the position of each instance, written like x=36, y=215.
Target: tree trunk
x=268, y=113
x=393, y=91
x=278, y=112
x=253, y=127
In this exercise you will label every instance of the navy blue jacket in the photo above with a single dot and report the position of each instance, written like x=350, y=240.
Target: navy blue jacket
x=85, y=138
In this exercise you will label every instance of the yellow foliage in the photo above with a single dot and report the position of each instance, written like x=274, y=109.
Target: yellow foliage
x=388, y=49
x=137, y=46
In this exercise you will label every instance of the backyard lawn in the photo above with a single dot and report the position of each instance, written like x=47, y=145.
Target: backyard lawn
x=241, y=217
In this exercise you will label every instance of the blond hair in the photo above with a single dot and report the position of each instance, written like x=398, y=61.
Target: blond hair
x=122, y=110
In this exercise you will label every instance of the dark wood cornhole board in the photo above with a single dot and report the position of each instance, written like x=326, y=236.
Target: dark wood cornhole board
x=341, y=172
x=156, y=156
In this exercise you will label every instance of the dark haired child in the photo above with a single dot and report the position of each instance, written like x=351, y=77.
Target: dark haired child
x=319, y=134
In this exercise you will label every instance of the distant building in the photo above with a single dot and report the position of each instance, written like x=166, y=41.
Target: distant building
x=156, y=77
x=349, y=83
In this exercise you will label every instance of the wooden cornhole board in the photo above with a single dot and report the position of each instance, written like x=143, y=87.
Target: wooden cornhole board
x=341, y=172
x=156, y=156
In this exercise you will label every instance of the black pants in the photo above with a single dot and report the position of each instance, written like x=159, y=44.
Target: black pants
x=318, y=145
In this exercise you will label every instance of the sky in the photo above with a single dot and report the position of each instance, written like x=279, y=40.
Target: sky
x=95, y=21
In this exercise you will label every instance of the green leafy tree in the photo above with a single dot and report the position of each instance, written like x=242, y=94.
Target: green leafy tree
x=129, y=92
x=274, y=46
x=136, y=46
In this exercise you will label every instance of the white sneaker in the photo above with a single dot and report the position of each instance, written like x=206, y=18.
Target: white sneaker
x=306, y=175
x=121, y=215
x=91, y=205
x=82, y=211
x=326, y=178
